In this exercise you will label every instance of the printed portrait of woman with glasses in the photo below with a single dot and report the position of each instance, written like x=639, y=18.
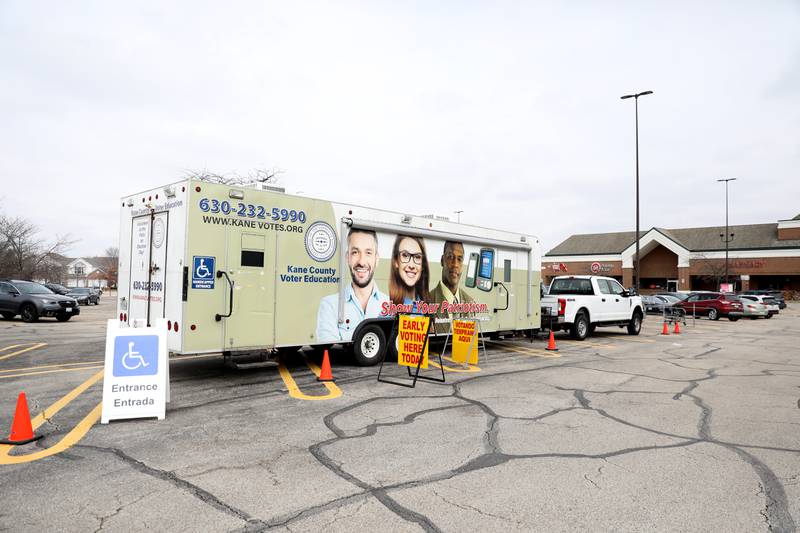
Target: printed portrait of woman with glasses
x=408, y=280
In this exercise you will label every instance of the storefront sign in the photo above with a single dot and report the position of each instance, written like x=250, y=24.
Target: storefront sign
x=465, y=342
x=747, y=263
x=136, y=375
x=598, y=268
x=559, y=267
x=411, y=337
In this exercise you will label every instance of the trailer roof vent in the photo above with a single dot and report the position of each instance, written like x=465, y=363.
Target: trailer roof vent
x=437, y=217
x=265, y=187
x=523, y=239
x=405, y=219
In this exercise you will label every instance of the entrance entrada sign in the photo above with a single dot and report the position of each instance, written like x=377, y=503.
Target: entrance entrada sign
x=136, y=378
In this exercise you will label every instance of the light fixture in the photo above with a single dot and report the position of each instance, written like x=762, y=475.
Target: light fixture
x=169, y=192
x=237, y=194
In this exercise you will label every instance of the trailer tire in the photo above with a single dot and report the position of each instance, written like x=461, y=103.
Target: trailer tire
x=369, y=345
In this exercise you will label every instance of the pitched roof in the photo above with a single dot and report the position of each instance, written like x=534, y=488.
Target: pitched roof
x=746, y=237
x=596, y=243
x=796, y=218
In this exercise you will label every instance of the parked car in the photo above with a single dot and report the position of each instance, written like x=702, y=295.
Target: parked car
x=33, y=300
x=778, y=295
x=713, y=304
x=770, y=303
x=84, y=295
x=753, y=309
x=56, y=288
x=96, y=291
x=579, y=304
x=675, y=296
x=656, y=304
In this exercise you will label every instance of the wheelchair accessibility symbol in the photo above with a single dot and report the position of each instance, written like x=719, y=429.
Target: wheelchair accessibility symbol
x=136, y=356
x=203, y=272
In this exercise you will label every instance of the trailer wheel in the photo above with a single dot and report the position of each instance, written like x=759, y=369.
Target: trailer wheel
x=369, y=345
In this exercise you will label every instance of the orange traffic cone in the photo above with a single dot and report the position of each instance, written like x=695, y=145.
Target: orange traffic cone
x=21, y=429
x=551, y=344
x=325, y=373
x=665, y=329
x=677, y=330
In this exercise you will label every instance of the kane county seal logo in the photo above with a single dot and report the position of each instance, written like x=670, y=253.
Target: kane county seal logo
x=320, y=241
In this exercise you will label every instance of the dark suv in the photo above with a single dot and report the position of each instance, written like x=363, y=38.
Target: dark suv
x=33, y=300
x=84, y=295
x=713, y=304
x=56, y=288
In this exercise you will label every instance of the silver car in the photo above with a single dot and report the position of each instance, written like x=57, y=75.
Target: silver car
x=751, y=308
x=773, y=308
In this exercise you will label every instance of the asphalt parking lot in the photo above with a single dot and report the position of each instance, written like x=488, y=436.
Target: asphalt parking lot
x=692, y=432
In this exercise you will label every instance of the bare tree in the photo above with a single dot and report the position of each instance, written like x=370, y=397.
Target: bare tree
x=110, y=264
x=233, y=178
x=711, y=271
x=24, y=254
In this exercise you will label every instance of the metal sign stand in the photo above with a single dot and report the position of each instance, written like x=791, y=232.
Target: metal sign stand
x=479, y=333
x=415, y=376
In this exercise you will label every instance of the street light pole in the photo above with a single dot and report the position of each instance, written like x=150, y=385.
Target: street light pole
x=636, y=100
x=458, y=214
x=726, y=238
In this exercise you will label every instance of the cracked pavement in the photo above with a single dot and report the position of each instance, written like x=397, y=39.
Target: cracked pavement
x=697, y=432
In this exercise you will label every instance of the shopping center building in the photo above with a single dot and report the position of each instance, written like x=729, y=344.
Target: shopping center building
x=760, y=256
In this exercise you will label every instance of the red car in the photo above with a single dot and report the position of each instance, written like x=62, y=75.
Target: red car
x=713, y=304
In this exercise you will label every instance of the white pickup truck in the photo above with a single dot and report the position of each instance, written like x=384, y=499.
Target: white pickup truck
x=579, y=304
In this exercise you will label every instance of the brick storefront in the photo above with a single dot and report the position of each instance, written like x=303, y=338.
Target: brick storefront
x=761, y=256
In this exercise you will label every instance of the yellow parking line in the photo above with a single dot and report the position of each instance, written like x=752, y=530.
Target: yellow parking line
x=28, y=349
x=468, y=369
x=79, y=431
x=294, y=390
x=629, y=339
x=70, y=438
x=9, y=376
x=39, y=419
x=528, y=351
x=586, y=343
x=62, y=365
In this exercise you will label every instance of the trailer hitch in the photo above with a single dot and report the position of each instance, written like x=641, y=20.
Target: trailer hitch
x=218, y=316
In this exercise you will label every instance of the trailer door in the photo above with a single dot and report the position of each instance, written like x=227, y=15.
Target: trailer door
x=506, y=295
x=251, y=270
x=148, y=268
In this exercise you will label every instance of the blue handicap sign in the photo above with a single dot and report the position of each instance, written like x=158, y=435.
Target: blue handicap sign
x=136, y=355
x=203, y=272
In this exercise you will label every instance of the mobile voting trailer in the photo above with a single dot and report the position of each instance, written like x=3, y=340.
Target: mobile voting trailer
x=242, y=269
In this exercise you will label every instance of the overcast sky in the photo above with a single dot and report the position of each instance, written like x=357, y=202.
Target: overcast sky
x=509, y=111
